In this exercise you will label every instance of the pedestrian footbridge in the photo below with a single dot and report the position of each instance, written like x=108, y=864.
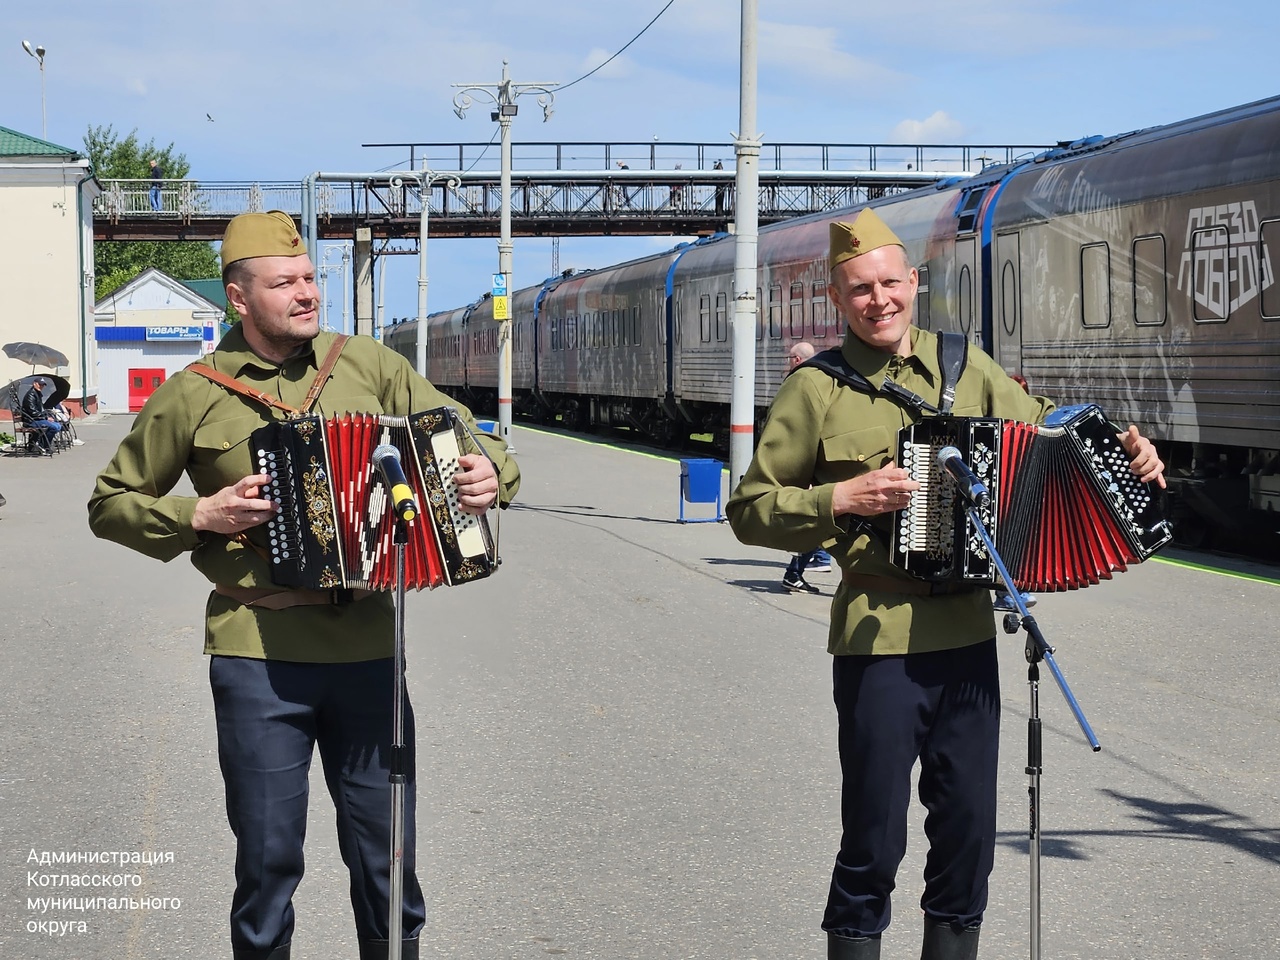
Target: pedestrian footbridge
x=557, y=190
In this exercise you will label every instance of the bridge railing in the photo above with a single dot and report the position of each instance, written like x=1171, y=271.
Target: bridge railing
x=194, y=199
x=534, y=195
x=662, y=155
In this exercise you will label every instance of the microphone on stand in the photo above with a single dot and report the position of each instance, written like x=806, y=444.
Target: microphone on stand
x=966, y=481
x=386, y=459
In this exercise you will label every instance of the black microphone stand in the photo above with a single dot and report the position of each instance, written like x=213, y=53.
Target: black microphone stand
x=398, y=775
x=1037, y=650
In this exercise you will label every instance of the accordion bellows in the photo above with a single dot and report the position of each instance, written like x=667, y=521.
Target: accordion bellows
x=1064, y=511
x=335, y=525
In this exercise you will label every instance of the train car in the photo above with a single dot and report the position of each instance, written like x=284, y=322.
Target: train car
x=446, y=358
x=1136, y=272
x=603, y=344
x=483, y=357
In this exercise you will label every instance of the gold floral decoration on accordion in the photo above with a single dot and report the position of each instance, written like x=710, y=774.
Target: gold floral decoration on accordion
x=319, y=502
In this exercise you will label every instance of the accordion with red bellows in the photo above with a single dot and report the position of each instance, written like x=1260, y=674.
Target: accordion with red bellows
x=1064, y=509
x=335, y=524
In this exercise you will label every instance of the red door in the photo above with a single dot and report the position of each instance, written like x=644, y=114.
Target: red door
x=142, y=384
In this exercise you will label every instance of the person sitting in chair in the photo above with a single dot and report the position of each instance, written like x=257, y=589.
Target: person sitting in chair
x=34, y=413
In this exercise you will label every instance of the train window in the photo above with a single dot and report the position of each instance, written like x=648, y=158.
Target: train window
x=759, y=316
x=1095, y=285
x=775, y=312
x=571, y=340
x=1150, y=282
x=704, y=317
x=964, y=295
x=1210, y=286
x=795, y=310
x=1268, y=237
x=722, y=317
x=967, y=214
x=635, y=324
x=818, y=309
x=922, y=298
x=615, y=322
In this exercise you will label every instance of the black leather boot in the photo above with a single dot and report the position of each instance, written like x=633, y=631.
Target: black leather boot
x=378, y=949
x=279, y=953
x=942, y=941
x=852, y=948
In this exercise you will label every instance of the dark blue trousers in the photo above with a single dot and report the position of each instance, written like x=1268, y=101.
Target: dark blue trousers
x=942, y=708
x=271, y=715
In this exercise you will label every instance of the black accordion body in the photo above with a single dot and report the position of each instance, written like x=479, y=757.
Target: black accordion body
x=335, y=525
x=1064, y=509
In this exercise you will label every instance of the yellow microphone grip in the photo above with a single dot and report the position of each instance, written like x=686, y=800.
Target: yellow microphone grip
x=401, y=493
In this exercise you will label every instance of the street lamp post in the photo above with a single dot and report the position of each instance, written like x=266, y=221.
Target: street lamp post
x=425, y=181
x=504, y=95
x=324, y=268
x=38, y=52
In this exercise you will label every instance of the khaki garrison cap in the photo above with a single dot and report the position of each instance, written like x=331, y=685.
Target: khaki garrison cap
x=270, y=234
x=867, y=232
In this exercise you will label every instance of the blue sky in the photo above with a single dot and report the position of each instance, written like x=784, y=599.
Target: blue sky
x=296, y=87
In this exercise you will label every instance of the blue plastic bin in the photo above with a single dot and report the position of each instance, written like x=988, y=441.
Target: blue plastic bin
x=700, y=483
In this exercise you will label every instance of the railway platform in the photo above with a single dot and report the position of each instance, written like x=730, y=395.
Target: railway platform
x=626, y=744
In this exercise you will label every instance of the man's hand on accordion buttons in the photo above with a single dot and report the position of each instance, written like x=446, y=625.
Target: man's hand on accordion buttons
x=1145, y=462
x=234, y=508
x=875, y=492
x=477, y=483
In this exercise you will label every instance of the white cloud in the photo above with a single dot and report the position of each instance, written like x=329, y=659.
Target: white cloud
x=938, y=127
x=617, y=69
x=137, y=85
x=816, y=52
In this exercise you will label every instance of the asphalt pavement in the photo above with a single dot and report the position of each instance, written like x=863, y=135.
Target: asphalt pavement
x=626, y=746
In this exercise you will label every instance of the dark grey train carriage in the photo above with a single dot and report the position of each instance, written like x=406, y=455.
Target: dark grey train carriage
x=1135, y=272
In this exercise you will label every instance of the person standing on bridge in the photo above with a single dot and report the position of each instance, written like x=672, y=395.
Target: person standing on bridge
x=157, y=179
x=914, y=666
x=289, y=669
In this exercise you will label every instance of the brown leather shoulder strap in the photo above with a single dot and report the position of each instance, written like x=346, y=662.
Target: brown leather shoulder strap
x=326, y=368
x=261, y=396
x=237, y=386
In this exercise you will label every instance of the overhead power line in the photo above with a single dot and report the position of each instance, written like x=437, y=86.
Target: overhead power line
x=566, y=86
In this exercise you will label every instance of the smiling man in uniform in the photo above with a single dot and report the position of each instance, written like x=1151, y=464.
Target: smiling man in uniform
x=914, y=664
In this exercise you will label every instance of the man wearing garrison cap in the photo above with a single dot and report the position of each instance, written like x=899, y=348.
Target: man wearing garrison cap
x=289, y=669
x=914, y=665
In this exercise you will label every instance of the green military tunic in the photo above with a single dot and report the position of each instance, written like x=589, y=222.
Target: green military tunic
x=820, y=432
x=195, y=426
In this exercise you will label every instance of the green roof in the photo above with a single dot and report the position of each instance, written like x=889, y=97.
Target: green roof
x=15, y=144
x=211, y=290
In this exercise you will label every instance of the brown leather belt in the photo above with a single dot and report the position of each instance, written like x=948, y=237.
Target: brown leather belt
x=264, y=599
x=923, y=588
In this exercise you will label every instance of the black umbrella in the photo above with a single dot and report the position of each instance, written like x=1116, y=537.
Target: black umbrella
x=36, y=354
x=56, y=389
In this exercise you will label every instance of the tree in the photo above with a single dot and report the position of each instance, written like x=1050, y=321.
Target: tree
x=116, y=262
